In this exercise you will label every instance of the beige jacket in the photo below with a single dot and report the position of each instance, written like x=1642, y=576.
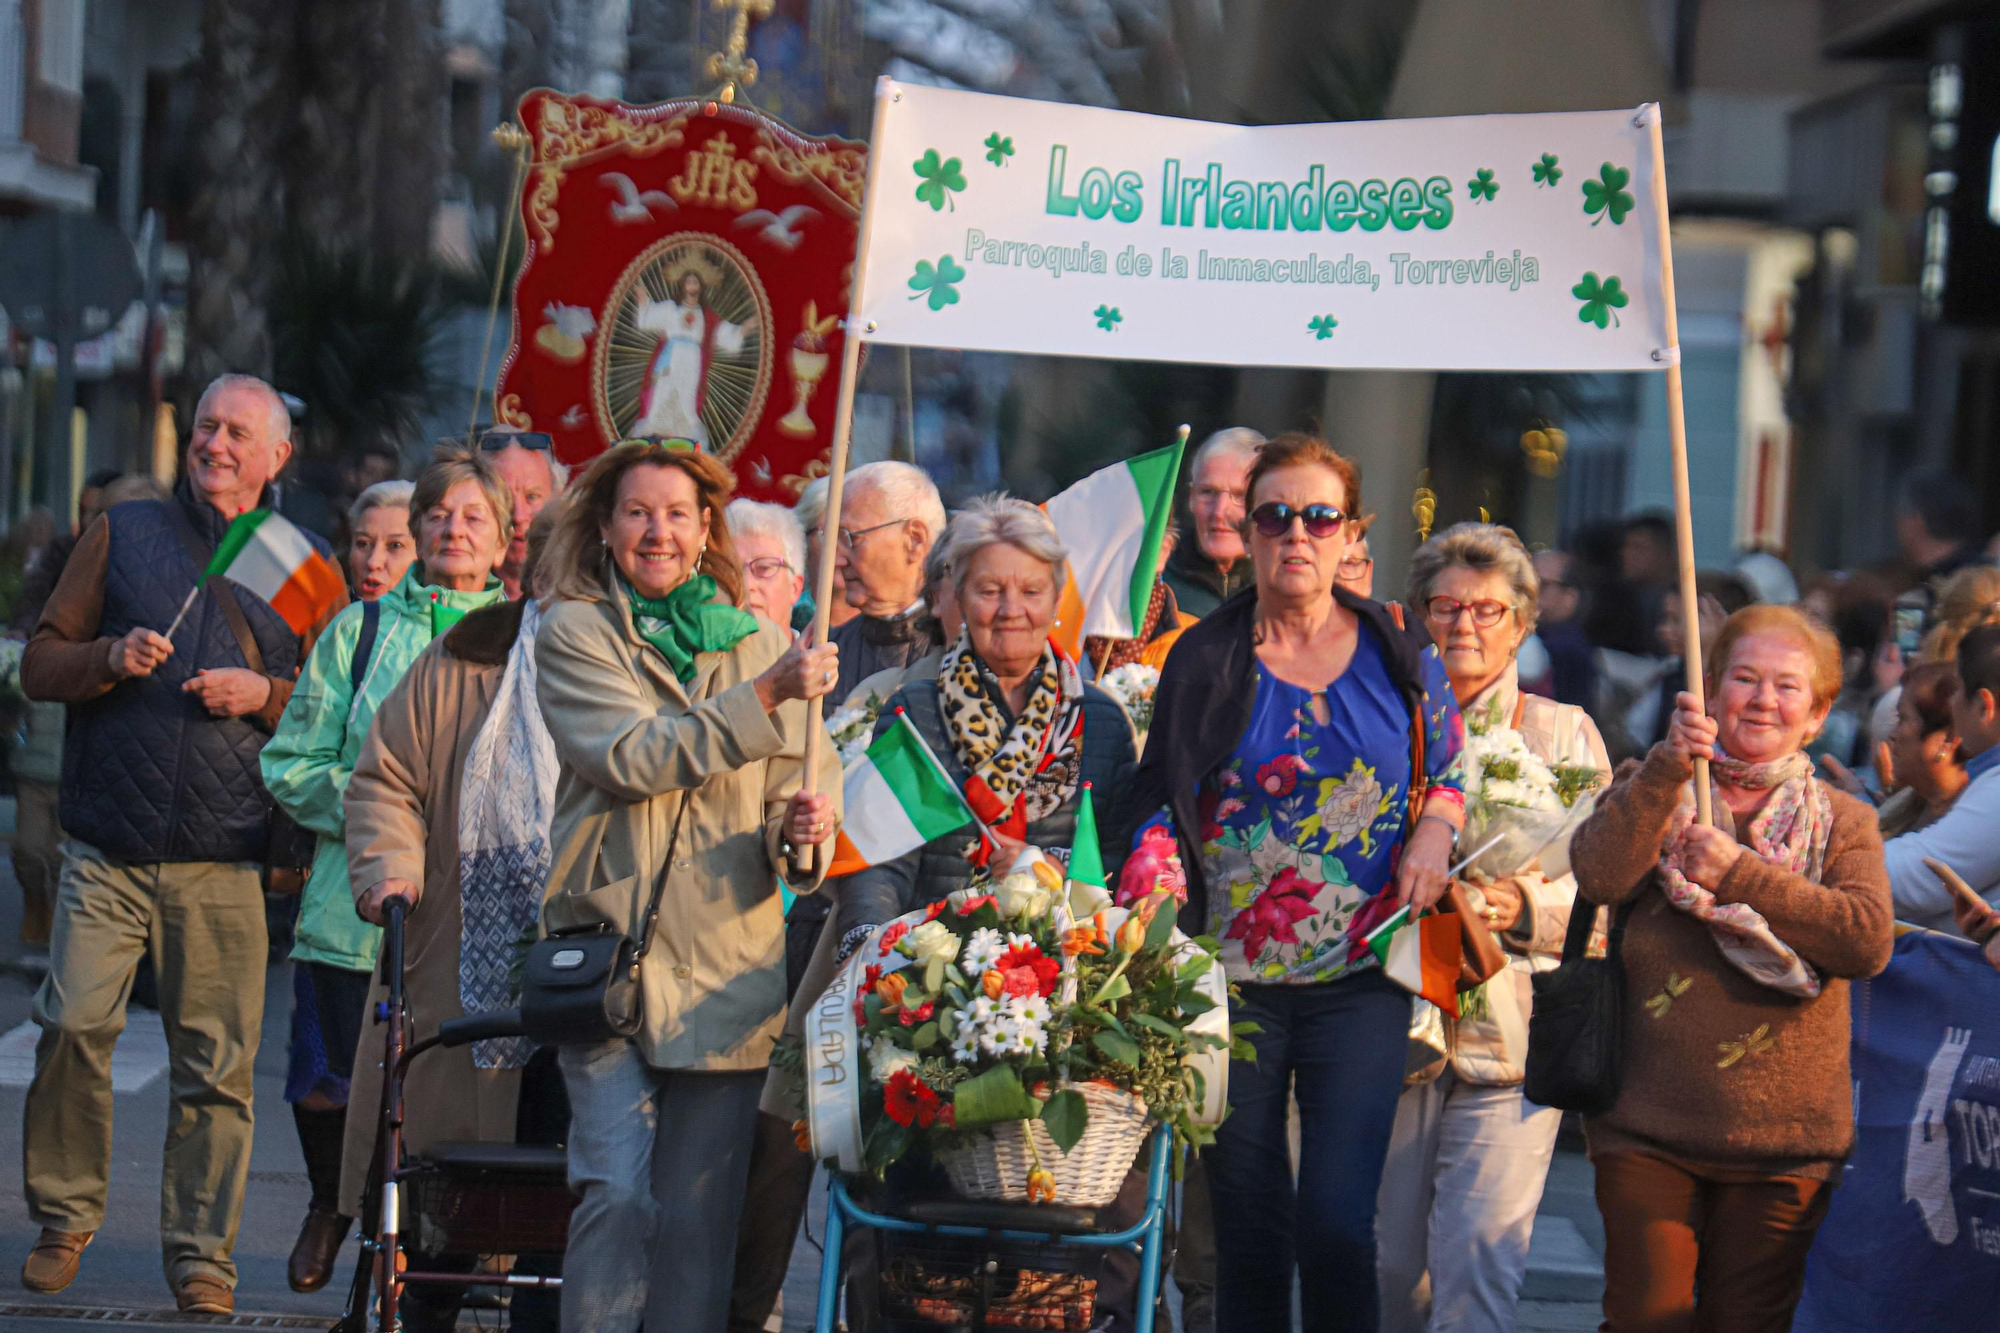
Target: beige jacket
x=634, y=744
x=1489, y=1045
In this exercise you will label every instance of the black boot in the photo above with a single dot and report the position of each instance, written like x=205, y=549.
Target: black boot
x=320, y=1238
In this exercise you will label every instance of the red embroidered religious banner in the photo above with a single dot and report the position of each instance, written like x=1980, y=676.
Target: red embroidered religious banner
x=688, y=266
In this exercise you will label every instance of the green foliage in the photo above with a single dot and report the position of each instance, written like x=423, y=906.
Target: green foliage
x=991, y=1097
x=1606, y=197
x=1066, y=1115
x=940, y=180
x=352, y=335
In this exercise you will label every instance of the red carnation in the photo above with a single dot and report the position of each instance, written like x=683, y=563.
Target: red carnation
x=973, y=904
x=891, y=935
x=1025, y=970
x=909, y=1017
x=934, y=911
x=906, y=1099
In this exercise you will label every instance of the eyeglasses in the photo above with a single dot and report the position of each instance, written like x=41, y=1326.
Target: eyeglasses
x=767, y=567
x=1274, y=519
x=1485, y=614
x=497, y=440
x=849, y=536
x=1354, y=566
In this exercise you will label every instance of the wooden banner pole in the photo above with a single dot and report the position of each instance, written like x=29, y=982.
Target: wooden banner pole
x=1677, y=438
x=843, y=425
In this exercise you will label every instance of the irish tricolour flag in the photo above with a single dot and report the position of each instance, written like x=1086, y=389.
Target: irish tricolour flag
x=266, y=554
x=896, y=798
x=1113, y=522
x=1422, y=956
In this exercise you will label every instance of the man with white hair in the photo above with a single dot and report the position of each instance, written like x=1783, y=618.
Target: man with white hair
x=1214, y=566
x=890, y=516
x=167, y=823
x=772, y=547
x=526, y=461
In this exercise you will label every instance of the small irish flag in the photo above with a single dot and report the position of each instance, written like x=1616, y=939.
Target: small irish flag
x=267, y=555
x=1113, y=522
x=896, y=798
x=1086, y=858
x=1422, y=958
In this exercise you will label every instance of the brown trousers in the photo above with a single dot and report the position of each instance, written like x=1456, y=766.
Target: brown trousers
x=1669, y=1228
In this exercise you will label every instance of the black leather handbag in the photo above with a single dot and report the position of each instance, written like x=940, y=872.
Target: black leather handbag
x=582, y=986
x=1576, y=1033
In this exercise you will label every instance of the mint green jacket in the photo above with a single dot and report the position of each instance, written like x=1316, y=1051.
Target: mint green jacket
x=310, y=757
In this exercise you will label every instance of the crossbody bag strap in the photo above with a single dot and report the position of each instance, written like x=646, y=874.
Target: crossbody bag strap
x=660, y=884
x=225, y=596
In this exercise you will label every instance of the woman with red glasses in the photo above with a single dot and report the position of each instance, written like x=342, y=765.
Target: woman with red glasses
x=1304, y=756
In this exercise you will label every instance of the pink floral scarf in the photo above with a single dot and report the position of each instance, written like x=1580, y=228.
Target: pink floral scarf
x=1790, y=832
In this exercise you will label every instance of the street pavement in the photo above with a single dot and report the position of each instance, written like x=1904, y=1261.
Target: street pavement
x=121, y=1280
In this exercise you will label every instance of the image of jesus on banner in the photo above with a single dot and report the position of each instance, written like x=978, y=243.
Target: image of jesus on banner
x=675, y=391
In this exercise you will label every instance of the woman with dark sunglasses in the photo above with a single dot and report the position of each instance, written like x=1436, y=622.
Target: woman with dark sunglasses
x=1304, y=755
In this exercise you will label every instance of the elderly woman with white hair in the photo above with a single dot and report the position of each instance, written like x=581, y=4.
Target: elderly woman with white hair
x=1007, y=714
x=1213, y=565
x=1470, y=1153
x=771, y=543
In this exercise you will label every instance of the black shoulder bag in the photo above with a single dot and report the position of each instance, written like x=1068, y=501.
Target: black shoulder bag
x=1576, y=1033
x=582, y=986
x=288, y=848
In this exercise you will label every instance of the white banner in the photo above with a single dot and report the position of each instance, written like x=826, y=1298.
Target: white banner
x=1469, y=243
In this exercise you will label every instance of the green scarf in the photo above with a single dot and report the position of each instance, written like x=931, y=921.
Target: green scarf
x=449, y=606
x=687, y=621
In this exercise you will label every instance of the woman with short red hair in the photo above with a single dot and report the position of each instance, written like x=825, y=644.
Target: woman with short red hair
x=1716, y=1164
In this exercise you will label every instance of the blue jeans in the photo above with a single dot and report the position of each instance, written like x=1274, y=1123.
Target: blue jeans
x=659, y=1159
x=1339, y=1048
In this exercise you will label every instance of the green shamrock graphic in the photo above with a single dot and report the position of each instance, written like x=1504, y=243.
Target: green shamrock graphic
x=998, y=149
x=1600, y=303
x=1546, y=170
x=1482, y=186
x=940, y=179
x=1322, y=326
x=1606, y=195
x=938, y=281
x=1108, y=318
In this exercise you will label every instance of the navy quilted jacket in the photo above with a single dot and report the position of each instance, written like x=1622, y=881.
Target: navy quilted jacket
x=148, y=775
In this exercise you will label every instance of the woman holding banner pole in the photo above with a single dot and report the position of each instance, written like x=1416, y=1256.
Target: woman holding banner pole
x=1715, y=1165
x=681, y=725
x=1307, y=757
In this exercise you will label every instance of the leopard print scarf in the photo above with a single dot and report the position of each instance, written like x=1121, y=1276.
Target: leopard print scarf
x=1026, y=771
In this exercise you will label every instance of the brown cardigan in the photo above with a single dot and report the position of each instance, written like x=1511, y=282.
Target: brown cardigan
x=1720, y=1070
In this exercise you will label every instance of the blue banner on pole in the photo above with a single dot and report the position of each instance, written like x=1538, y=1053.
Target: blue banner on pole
x=1913, y=1237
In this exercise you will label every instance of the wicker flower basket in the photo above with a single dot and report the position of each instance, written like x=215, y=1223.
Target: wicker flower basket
x=995, y=1166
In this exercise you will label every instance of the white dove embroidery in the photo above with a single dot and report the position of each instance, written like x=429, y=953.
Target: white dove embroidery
x=574, y=417
x=760, y=471
x=780, y=229
x=633, y=206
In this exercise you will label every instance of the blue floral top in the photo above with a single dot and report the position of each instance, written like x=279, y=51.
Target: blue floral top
x=1303, y=827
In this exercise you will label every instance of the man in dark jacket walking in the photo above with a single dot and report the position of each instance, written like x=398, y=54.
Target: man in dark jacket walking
x=166, y=817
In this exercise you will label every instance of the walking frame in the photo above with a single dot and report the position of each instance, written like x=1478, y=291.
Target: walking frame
x=476, y=1198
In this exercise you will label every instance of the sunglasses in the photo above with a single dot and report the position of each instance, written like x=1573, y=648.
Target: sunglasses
x=674, y=445
x=493, y=441
x=1274, y=519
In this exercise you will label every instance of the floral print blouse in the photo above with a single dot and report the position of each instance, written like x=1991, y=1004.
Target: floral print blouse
x=1303, y=827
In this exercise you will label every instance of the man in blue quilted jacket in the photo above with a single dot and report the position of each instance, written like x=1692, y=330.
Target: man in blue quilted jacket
x=166, y=819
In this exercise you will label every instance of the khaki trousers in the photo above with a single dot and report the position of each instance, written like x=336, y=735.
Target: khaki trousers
x=203, y=923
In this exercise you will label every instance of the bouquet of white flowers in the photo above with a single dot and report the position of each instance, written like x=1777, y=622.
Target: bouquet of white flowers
x=1132, y=685
x=853, y=727
x=1518, y=807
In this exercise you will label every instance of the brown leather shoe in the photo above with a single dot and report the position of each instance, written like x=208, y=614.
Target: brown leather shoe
x=204, y=1293
x=317, y=1248
x=52, y=1264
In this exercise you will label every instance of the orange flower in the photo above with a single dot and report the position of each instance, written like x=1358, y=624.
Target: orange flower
x=1089, y=939
x=802, y=1135
x=891, y=989
x=993, y=983
x=1041, y=1186
x=1132, y=935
